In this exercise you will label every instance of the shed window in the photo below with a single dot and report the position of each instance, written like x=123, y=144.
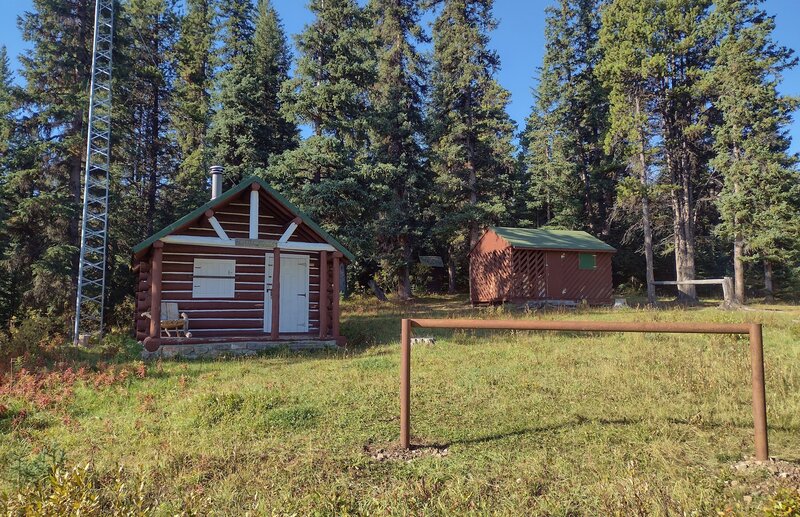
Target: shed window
x=587, y=261
x=214, y=278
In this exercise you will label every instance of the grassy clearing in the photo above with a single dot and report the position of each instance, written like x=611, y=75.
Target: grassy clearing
x=533, y=423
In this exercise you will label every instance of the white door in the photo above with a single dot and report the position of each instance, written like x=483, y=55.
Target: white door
x=294, y=294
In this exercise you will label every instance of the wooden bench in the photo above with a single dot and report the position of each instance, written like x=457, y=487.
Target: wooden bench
x=172, y=320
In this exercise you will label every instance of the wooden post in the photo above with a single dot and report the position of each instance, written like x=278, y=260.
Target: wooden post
x=153, y=341
x=276, y=293
x=335, y=295
x=405, y=384
x=323, y=294
x=759, y=395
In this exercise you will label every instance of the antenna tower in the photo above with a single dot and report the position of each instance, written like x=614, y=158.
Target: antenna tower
x=94, y=223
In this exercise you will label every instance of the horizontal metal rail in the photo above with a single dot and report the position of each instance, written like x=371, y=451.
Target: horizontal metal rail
x=753, y=330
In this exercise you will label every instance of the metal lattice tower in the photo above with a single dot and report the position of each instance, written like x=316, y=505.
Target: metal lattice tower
x=94, y=225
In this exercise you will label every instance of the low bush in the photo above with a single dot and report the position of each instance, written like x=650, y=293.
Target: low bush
x=80, y=491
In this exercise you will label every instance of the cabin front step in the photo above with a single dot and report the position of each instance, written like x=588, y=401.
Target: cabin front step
x=211, y=350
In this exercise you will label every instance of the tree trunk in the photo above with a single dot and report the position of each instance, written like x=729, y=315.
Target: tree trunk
x=379, y=293
x=769, y=290
x=646, y=223
x=738, y=269
x=451, y=275
x=404, y=284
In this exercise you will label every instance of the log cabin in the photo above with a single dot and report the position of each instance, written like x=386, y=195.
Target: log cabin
x=246, y=271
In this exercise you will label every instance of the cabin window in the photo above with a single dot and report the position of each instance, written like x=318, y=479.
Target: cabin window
x=214, y=278
x=587, y=261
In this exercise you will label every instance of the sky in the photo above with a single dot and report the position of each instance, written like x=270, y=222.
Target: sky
x=519, y=40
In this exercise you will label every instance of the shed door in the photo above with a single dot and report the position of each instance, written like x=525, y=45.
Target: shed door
x=294, y=294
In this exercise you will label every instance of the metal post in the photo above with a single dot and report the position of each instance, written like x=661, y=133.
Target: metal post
x=752, y=329
x=759, y=392
x=405, y=384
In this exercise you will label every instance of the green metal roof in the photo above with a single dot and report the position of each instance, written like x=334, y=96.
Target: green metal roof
x=543, y=239
x=232, y=192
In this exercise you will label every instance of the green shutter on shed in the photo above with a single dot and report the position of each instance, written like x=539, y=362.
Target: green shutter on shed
x=587, y=261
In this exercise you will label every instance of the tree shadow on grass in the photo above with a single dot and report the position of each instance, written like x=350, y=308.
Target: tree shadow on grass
x=580, y=420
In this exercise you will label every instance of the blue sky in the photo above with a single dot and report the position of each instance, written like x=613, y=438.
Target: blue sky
x=519, y=40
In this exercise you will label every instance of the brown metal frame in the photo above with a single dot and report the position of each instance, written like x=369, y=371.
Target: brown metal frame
x=753, y=330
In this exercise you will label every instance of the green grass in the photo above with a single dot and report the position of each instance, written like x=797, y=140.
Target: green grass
x=534, y=423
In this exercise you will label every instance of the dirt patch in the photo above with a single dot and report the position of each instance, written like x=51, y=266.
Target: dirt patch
x=395, y=453
x=765, y=477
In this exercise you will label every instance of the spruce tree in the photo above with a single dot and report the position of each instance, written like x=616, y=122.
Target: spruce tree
x=233, y=121
x=8, y=115
x=249, y=128
x=46, y=182
x=471, y=132
x=570, y=174
x=273, y=133
x=195, y=63
x=399, y=180
x=758, y=202
x=329, y=92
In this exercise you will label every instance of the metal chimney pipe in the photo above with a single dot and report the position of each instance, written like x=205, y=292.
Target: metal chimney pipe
x=216, y=181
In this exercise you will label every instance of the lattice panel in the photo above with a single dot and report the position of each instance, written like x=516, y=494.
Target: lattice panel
x=490, y=275
x=530, y=274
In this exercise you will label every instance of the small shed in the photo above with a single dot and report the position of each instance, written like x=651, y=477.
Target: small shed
x=526, y=264
x=243, y=271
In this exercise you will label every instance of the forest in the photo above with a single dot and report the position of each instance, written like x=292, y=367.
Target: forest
x=656, y=126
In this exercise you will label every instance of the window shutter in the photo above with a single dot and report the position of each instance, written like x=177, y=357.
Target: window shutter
x=214, y=278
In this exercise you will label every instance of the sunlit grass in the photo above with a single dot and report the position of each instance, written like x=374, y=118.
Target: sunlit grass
x=542, y=423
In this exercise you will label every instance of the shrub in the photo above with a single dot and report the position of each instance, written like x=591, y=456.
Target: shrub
x=785, y=503
x=80, y=491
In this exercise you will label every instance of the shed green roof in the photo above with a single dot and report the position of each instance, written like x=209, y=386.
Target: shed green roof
x=543, y=239
x=232, y=192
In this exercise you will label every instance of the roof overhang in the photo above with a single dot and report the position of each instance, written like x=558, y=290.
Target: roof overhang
x=143, y=247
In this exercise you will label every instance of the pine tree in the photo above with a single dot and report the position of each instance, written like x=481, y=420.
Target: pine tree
x=571, y=176
x=758, y=202
x=400, y=181
x=668, y=53
x=145, y=71
x=195, y=63
x=471, y=132
x=626, y=34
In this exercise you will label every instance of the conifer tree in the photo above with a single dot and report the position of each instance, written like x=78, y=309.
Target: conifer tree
x=8, y=99
x=625, y=36
x=46, y=182
x=233, y=121
x=758, y=203
x=571, y=175
x=329, y=92
x=195, y=63
x=471, y=132
x=249, y=128
x=400, y=181
x=273, y=133
x=145, y=70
